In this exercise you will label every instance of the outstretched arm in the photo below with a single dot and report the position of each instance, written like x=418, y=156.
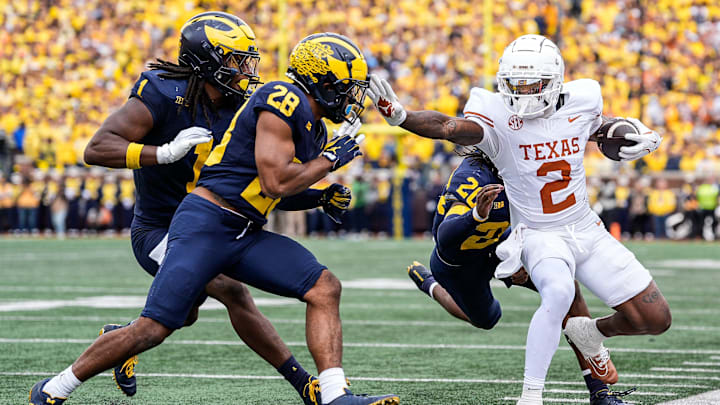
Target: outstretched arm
x=436, y=125
x=428, y=124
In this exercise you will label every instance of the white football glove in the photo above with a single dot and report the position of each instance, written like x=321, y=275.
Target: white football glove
x=181, y=145
x=385, y=100
x=350, y=130
x=647, y=141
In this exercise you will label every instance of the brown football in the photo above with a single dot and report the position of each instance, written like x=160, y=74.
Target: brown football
x=611, y=136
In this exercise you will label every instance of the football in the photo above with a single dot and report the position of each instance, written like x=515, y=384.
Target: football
x=611, y=136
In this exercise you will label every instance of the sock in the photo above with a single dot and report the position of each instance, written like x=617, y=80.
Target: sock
x=332, y=384
x=594, y=385
x=63, y=384
x=532, y=389
x=295, y=374
x=431, y=288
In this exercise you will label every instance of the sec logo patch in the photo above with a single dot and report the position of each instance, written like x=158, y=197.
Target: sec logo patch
x=515, y=122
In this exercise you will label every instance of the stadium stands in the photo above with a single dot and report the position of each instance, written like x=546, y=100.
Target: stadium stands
x=66, y=64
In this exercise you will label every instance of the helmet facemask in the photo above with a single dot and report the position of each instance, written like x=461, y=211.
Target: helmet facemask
x=531, y=96
x=348, y=99
x=234, y=63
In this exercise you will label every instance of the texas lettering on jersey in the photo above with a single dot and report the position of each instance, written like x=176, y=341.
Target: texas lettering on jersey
x=551, y=150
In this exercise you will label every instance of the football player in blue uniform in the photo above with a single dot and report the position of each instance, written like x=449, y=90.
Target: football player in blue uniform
x=169, y=109
x=274, y=147
x=471, y=219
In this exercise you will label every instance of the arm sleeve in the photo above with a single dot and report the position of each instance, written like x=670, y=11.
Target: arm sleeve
x=476, y=110
x=454, y=230
x=305, y=200
x=146, y=90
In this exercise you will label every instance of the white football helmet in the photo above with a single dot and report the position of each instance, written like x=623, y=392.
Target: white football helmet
x=530, y=76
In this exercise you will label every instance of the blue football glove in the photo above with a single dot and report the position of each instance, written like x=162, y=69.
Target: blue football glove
x=335, y=201
x=344, y=146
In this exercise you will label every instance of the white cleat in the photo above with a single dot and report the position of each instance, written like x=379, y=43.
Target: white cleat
x=584, y=334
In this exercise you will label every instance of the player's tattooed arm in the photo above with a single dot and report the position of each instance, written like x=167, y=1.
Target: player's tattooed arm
x=108, y=147
x=436, y=125
x=279, y=175
x=604, y=119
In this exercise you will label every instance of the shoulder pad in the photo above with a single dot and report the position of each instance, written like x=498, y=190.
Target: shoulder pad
x=482, y=106
x=583, y=95
x=151, y=82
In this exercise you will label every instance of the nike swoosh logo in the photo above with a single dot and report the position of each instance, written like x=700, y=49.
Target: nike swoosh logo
x=598, y=223
x=574, y=118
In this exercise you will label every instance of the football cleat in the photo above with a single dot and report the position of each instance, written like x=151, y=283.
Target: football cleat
x=582, y=332
x=421, y=276
x=606, y=397
x=311, y=392
x=40, y=397
x=351, y=399
x=123, y=374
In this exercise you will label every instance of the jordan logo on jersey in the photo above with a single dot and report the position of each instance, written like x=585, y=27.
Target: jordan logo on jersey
x=550, y=150
x=515, y=122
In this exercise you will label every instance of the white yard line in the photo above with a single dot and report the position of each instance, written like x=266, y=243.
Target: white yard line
x=701, y=364
x=560, y=400
x=706, y=264
x=707, y=398
x=671, y=377
x=369, y=345
x=687, y=370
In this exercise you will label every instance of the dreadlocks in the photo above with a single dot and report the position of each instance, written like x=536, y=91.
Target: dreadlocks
x=474, y=153
x=194, y=94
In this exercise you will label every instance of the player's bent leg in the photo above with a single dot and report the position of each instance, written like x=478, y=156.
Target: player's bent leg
x=595, y=383
x=249, y=323
x=108, y=350
x=468, y=288
x=647, y=313
x=425, y=282
x=323, y=329
x=297, y=273
x=113, y=347
x=259, y=334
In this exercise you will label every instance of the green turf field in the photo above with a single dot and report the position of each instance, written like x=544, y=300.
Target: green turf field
x=55, y=296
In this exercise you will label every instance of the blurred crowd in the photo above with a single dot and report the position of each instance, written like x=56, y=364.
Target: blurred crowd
x=66, y=64
x=90, y=201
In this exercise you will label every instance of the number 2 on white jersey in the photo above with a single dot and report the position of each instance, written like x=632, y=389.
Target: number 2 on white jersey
x=562, y=166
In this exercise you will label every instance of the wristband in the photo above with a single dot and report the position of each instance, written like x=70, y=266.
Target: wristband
x=477, y=216
x=132, y=155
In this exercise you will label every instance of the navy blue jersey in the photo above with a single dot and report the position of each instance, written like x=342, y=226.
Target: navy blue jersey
x=477, y=238
x=161, y=188
x=230, y=170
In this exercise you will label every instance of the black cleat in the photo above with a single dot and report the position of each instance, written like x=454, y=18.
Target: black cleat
x=123, y=374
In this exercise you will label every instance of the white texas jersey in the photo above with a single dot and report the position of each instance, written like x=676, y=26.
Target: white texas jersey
x=541, y=159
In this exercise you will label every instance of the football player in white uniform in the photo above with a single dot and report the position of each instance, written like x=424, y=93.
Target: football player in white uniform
x=535, y=130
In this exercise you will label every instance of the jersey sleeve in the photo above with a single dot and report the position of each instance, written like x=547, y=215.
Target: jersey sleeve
x=282, y=99
x=147, y=91
x=477, y=110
